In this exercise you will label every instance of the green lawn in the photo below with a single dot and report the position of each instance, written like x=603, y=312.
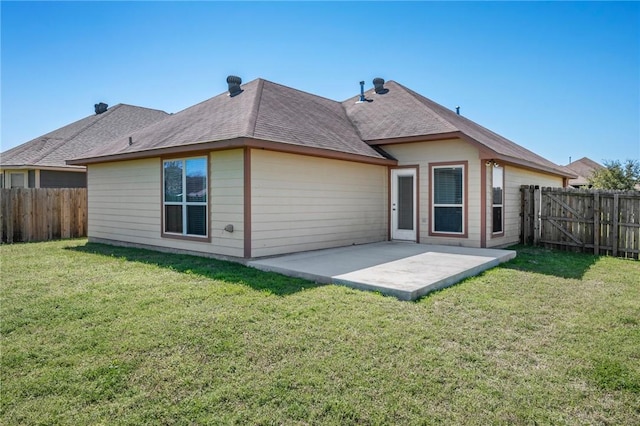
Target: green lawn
x=92, y=334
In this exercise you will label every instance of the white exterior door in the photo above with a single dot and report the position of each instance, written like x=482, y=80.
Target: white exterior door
x=403, y=204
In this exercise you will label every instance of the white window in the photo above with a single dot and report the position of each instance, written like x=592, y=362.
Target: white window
x=447, y=189
x=498, y=199
x=185, y=196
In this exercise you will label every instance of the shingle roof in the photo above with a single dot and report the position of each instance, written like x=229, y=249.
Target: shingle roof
x=274, y=113
x=80, y=137
x=403, y=113
x=583, y=167
x=264, y=110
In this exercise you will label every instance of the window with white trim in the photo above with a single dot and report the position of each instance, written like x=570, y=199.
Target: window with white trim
x=447, y=189
x=498, y=199
x=185, y=196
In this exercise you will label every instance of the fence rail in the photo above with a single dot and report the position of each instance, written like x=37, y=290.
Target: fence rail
x=43, y=214
x=596, y=221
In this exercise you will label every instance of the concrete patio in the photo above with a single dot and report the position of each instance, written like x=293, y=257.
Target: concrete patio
x=404, y=270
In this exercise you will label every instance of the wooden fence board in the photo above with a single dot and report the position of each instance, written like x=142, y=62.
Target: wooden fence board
x=601, y=222
x=42, y=214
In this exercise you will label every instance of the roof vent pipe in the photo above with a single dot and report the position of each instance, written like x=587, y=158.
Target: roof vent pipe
x=100, y=108
x=234, y=83
x=458, y=110
x=362, y=98
x=379, y=88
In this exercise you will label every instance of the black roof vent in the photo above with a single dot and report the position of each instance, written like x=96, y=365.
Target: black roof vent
x=378, y=84
x=234, y=83
x=101, y=107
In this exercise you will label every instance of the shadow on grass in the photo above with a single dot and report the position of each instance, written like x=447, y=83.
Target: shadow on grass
x=215, y=269
x=561, y=264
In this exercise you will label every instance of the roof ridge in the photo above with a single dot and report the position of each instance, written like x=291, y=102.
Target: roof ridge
x=63, y=141
x=255, y=109
x=100, y=117
x=357, y=130
x=419, y=98
x=297, y=90
x=138, y=106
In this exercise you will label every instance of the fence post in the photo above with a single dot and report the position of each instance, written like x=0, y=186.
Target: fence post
x=524, y=211
x=614, y=230
x=65, y=214
x=10, y=216
x=537, y=201
x=16, y=200
x=3, y=215
x=596, y=223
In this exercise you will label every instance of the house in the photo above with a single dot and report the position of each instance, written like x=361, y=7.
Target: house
x=266, y=169
x=40, y=163
x=584, y=168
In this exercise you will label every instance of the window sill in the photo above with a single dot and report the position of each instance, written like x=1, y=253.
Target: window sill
x=186, y=238
x=447, y=235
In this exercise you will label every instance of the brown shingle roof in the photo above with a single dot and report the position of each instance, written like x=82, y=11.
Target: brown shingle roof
x=273, y=113
x=584, y=168
x=403, y=113
x=264, y=110
x=80, y=137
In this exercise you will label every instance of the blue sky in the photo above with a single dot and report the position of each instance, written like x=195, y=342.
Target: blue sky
x=561, y=79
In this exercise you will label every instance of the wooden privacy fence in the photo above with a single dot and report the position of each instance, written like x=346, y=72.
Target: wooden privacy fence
x=595, y=221
x=43, y=214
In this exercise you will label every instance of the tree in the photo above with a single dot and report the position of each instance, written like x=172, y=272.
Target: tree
x=615, y=175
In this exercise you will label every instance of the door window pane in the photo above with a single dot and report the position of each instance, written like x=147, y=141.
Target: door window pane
x=405, y=202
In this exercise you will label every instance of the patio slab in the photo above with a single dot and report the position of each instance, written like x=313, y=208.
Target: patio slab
x=404, y=270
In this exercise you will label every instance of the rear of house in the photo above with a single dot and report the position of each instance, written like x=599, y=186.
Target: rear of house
x=267, y=170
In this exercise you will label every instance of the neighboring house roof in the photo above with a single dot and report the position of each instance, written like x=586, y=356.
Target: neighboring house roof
x=402, y=114
x=277, y=114
x=584, y=168
x=80, y=137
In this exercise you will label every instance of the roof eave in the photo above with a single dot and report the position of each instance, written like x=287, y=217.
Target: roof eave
x=484, y=152
x=532, y=166
x=40, y=167
x=240, y=142
x=415, y=138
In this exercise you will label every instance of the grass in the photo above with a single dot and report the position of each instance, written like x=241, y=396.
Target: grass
x=92, y=334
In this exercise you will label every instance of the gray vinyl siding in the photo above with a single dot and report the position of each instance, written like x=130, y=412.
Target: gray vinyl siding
x=57, y=179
